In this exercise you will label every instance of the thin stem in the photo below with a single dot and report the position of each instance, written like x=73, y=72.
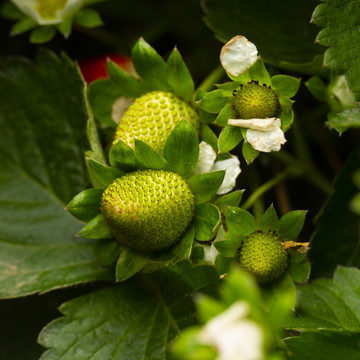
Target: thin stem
x=211, y=79
x=266, y=187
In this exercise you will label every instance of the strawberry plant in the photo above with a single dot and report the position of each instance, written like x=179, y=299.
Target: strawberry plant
x=191, y=203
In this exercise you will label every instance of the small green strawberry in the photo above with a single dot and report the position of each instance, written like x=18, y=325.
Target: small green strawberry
x=256, y=101
x=152, y=117
x=148, y=209
x=262, y=255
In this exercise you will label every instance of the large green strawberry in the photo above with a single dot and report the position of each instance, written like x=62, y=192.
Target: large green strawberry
x=152, y=117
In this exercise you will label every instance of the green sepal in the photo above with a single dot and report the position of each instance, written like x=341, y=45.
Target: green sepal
x=318, y=88
x=225, y=114
x=229, y=86
x=89, y=18
x=105, y=175
x=229, y=138
x=129, y=263
x=214, y=101
x=300, y=272
x=147, y=158
x=249, y=153
x=8, y=10
x=122, y=157
x=106, y=251
x=182, y=149
x=269, y=221
x=291, y=224
x=204, y=186
x=150, y=66
x=258, y=72
x=179, y=77
x=229, y=246
x=23, y=25
x=42, y=34
x=240, y=221
x=285, y=85
x=231, y=199
x=65, y=26
x=209, y=137
x=85, y=205
x=208, y=308
x=206, y=221
x=287, y=119
x=205, y=117
x=96, y=153
x=183, y=248
x=97, y=228
x=223, y=264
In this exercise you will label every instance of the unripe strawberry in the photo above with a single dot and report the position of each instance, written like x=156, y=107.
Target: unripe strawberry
x=152, y=117
x=256, y=101
x=148, y=209
x=262, y=255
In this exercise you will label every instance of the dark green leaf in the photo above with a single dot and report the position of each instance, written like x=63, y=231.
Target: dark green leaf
x=214, y=101
x=85, y=205
x=349, y=118
x=285, y=85
x=204, y=186
x=147, y=158
x=240, y=221
x=149, y=65
x=105, y=175
x=23, y=25
x=129, y=263
x=179, y=77
x=182, y=149
x=336, y=238
x=207, y=221
x=122, y=156
x=291, y=224
x=88, y=18
x=269, y=221
x=42, y=34
x=229, y=138
x=97, y=228
x=41, y=169
x=341, y=37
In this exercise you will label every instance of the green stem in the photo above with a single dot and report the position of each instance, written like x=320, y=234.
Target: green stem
x=265, y=187
x=211, y=79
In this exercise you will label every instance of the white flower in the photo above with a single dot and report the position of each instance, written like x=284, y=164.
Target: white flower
x=207, y=163
x=238, y=55
x=233, y=336
x=263, y=134
x=49, y=12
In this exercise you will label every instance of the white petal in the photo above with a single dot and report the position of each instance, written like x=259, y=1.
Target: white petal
x=256, y=124
x=207, y=156
x=119, y=107
x=238, y=55
x=266, y=141
x=232, y=167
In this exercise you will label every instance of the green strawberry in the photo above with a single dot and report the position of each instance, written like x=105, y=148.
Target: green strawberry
x=256, y=101
x=152, y=117
x=262, y=255
x=148, y=209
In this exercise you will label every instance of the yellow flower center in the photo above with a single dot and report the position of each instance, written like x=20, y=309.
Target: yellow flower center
x=47, y=9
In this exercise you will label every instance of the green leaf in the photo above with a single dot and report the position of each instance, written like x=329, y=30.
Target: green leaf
x=179, y=77
x=88, y=18
x=41, y=169
x=42, y=34
x=285, y=85
x=105, y=175
x=318, y=88
x=8, y=10
x=336, y=237
x=280, y=30
x=324, y=345
x=240, y=221
x=129, y=263
x=231, y=199
x=207, y=221
x=249, y=153
x=214, y=101
x=225, y=114
x=149, y=65
x=97, y=228
x=65, y=26
x=269, y=221
x=291, y=224
x=23, y=25
x=182, y=149
x=341, y=37
x=103, y=324
x=122, y=157
x=229, y=138
x=204, y=186
x=107, y=250
x=85, y=205
x=299, y=272
x=258, y=72
x=349, y=118
x=147, y=158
